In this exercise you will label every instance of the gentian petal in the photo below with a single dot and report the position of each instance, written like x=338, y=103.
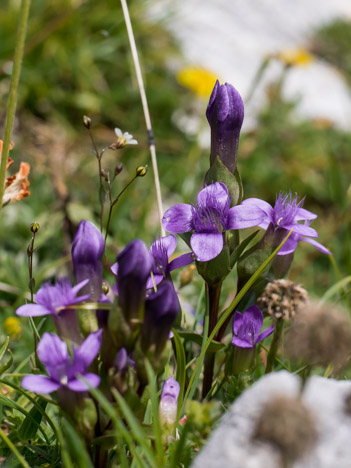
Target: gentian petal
x=156, y=280
x=290, y=244
x=237, y=322
x=177, y=219
x=79, y=286
x=181, y=261
x=169, y=243
x=258, y=203
x=217, y=191
x=244, y=216
x=87, y=351
x=39, y=384
x=32, y=310
x=206, y=246
x=77, y=385
x=301, y=229
x=264, y=334
x=319, y=246
x=53, y=354
x=237, y=341
x=114, y=268
x=302, y=214
x=254, y=314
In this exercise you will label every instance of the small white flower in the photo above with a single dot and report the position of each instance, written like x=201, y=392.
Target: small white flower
x=124, y=139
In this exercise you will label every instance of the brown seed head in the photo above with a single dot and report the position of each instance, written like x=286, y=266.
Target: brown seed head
x=281, y=298
x=320, y=335
x=287, y=424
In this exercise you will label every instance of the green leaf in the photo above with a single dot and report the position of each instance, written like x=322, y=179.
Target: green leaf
x=214, y=347
x=240, y=249
x=76, y=446
x=4, y=347
x=31, y=423
x=181, y=363
x=155, y=414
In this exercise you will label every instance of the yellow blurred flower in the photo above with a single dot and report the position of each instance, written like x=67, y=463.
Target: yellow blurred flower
x=198, y=79
x=12, y=327
x=295, y=57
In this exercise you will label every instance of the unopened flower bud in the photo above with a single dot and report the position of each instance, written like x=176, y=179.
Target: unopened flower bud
x=118, y=169
x=105, y=288
x=169, y=401
x=141, y=171
x=187, y=275
x=34, y=227
x=225, y=114
x=86, y=121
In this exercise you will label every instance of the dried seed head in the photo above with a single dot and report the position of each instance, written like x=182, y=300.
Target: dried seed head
x=320, y=335
x=281, y=299
x=287, y=424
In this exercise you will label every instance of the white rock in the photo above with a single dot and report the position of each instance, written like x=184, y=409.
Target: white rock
x=231, y=445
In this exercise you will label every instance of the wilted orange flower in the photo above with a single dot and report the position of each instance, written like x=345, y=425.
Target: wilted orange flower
x=16, y=186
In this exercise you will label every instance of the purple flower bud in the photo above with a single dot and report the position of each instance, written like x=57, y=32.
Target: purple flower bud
x=161, y=310
x=134, y=266
x=225, y=114
x=121, y=360
x=169, y=401
x=87, y=251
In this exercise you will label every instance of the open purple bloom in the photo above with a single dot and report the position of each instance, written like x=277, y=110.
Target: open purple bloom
x=87, y=251
x=225, y=114
x=169, y=401
x=63, y=369
x=247, y=327
x=287, y=214
x=51, y=297
x=160, y=251
x=161, y=310
x=209, y=219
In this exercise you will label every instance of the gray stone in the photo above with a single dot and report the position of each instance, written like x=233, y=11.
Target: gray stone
x=231, y=444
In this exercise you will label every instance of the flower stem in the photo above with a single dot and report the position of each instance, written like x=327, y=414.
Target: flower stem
x=30, y=251
x=214, y=294
x=274, y=346
x=113, y=202
x=12, y=99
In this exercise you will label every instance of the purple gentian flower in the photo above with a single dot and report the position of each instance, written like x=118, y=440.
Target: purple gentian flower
x=225, y=114
x=209, y=219
x=161, y=310
x=62, y=369
x=287, y=214
x=160, y=251
x=169, y=401
x=134, y=267
x=247, y=327
x=50, y=297
x=87, y=251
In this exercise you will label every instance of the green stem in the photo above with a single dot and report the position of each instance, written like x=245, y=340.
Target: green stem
x=214, y=294
x=112, y=204
x=274, y=346
x=30, y=252
x=12, y=100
